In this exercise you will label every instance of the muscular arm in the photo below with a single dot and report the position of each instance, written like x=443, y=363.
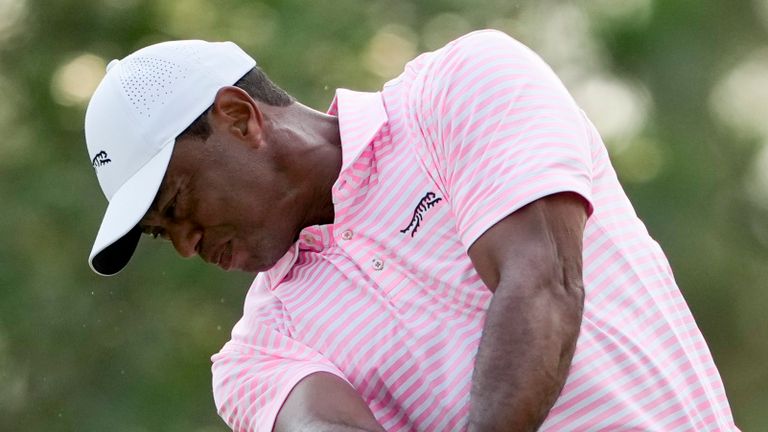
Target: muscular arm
x=531, y=260
x=323, y=402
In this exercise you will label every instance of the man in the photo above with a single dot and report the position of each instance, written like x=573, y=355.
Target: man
x=451, y=253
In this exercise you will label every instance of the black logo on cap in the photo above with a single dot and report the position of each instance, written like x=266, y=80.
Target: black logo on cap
x=100, y=159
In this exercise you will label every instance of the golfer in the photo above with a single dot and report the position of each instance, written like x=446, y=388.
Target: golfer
x=453, y=252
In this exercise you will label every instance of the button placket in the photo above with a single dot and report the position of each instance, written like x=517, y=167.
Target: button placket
x=377, y=264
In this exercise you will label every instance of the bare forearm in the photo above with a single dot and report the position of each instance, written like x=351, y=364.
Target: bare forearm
x=526, y=349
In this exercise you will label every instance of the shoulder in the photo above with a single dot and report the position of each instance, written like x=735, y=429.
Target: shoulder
x=479, y=50
x=490, y=61
x=481, y=40
x=476, y=46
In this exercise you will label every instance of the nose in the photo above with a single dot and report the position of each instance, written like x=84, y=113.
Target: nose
x=184, y=237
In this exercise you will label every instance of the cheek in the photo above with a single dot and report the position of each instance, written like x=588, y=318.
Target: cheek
x=216, y=206
x=207, y=212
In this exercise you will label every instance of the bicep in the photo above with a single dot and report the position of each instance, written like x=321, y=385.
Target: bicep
x=540, y=240
x=323, y=401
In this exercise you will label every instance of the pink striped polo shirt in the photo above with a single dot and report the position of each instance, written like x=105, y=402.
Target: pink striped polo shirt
x=387, y=298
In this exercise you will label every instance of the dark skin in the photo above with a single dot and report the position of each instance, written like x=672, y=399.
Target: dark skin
x=240, y=198
x=531, y=260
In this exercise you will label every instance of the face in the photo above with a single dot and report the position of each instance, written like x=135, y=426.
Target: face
x=224, y=200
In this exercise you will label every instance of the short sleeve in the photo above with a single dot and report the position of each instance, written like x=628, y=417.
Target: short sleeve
x=256, y=370
x=500, y=130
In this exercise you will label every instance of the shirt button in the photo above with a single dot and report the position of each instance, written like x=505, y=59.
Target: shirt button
x=308, y=239
x=378, y=264
x=347, y=235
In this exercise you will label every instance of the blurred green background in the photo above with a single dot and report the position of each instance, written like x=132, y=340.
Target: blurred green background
x=678, y=88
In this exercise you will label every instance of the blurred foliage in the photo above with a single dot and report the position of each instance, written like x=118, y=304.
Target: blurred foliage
x=678, y=88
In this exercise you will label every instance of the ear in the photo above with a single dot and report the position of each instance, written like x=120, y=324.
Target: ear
x=235, y=111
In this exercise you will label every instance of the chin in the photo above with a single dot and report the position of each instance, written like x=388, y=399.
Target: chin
x=256, y=267
x=263, y=260
x=261, y=264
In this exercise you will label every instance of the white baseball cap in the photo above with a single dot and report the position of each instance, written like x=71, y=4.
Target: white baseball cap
x=141, y=105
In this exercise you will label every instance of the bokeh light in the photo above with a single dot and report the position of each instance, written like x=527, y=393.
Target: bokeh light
x=618, y=109
x=12, y=13
x=740, y=98
x=559, y=35
x=442, y=28
x=74, y=82
x=389, y=49
x=757, y=182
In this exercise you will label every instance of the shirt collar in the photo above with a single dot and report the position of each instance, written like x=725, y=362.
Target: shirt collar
x=314, y=238
x=361, y=116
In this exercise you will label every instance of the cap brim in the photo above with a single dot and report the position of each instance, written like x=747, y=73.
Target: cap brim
x=119, y=232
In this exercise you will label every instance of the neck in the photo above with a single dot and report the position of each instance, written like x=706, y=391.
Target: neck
x=309, y=153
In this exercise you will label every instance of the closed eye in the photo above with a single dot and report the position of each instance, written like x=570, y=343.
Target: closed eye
x=170, y=210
